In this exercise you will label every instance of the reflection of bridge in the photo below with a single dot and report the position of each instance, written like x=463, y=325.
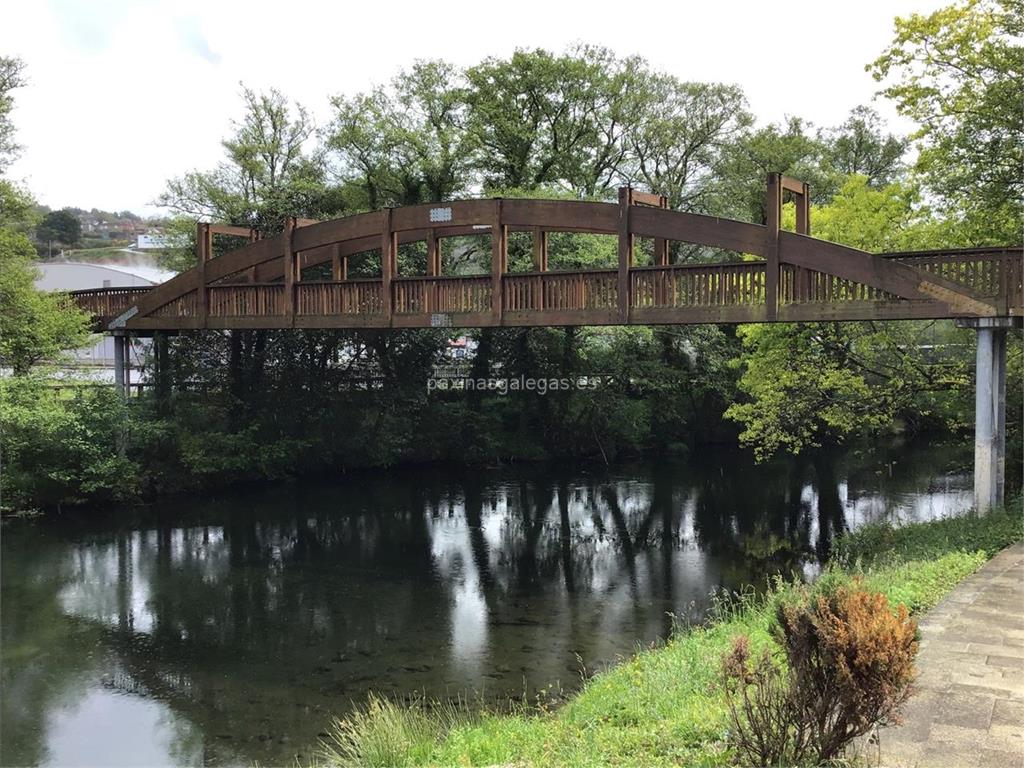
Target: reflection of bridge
x=775, y=276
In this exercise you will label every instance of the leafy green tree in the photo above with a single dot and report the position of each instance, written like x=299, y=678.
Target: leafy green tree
x=12, y=75
x=61, y=226
x=890, y=218
x=61, y=448
x=746, y=162
x=406, y=143
x=34, y=325
x=861, y=146
x=959, y=73
x=676, y=145
x=809, y=385
x=17, y=207
x=269, y=173
x=539, y=118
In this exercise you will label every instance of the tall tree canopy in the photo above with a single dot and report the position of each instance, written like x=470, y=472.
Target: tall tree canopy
x=959, y=73
x=404, y=143
x=270, y=170
x=861, y=146
x=61, y=226
x=12, y=76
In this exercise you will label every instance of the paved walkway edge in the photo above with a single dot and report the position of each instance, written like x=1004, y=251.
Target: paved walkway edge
x=968, y=711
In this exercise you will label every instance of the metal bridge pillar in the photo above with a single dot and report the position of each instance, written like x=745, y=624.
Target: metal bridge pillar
x=989, y=410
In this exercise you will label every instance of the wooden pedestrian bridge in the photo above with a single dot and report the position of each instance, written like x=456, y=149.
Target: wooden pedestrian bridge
x=773, y=275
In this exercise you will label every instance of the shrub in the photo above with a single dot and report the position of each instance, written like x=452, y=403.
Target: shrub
x=845, y=667
x=61, y=446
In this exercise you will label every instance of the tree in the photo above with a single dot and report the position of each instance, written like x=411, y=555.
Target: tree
x=61, y=226
x=12, y=75
x=814, y=384
x=405, y=143
x=959, y=72
x=268, y=174
x=17, y=207
x=676, y=145
x=34, y=325
x=539, y=118
x=747, y=161
x=861, y=146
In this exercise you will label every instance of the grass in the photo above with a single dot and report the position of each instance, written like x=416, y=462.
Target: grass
x=662, y=706
x=878, y=543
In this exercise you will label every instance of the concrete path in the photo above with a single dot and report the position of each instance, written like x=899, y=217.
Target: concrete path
x=969, y=708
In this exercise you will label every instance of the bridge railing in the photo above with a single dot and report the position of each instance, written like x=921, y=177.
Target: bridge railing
x=182, y=306
x=992, y=272
x=251, y=300
x=595, y=289
x=798, y=285
x=108, y=302
x=698, y=285
x=988, y=271
x=441, y=295
x=351, y=297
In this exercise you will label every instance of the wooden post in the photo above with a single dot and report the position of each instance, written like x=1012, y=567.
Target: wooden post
x=204, y=244
x=499, y=256
x=773, y=215
x=625, y=252
x=288, y=307
x=388, y=248
x=660, y=243
x=803, y=211
x=540, y=249
x=336, y=268
x=433, y=254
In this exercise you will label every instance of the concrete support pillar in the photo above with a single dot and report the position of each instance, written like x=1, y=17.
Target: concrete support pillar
x=120, y=377
x=162, y=365
x=989, y=410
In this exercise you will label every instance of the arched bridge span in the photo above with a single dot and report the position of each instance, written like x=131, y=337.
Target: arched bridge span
x=784, y=276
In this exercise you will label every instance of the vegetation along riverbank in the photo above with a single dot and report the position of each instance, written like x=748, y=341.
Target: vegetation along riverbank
x=666, y=705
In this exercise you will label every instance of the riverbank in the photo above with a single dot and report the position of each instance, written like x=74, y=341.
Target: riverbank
x=662, y=706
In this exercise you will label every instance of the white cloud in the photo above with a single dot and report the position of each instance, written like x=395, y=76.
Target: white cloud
x=123, y=95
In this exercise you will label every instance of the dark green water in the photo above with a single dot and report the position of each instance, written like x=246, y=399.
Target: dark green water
x=227, y=629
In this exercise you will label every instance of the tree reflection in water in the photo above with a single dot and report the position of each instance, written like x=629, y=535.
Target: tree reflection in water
x=250, y=618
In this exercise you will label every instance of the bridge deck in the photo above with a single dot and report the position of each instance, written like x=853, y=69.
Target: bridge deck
x=780, y=276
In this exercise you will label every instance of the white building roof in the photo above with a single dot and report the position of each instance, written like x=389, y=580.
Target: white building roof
x=77, y=276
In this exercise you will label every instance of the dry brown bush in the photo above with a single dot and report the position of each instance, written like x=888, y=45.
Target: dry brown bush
x=845, y=667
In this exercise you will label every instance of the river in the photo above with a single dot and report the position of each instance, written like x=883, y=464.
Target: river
x=228, y=628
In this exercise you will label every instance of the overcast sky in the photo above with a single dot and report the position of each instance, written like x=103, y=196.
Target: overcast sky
x=124, y=94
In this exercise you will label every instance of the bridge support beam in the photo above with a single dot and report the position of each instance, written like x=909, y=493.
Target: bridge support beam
x=989, y=409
